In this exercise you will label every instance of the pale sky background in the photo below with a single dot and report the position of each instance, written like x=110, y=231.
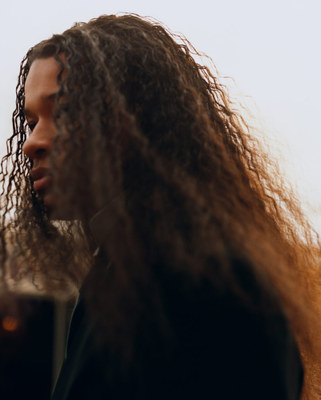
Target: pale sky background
x=271, y=48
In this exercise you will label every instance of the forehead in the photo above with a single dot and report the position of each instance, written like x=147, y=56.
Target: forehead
x=42, y=78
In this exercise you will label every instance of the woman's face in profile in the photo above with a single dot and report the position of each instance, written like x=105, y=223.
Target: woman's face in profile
x=41, y=89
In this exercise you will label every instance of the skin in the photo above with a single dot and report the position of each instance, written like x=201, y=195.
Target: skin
x=40, y=93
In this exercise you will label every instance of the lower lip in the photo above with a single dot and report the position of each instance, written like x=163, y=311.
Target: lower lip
x=41, y=184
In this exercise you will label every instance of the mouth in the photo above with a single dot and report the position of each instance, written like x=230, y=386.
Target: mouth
x=41, y=178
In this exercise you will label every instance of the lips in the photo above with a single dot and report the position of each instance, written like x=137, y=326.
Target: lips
x=41, y=178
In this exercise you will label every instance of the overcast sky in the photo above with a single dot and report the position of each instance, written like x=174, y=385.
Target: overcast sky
x=271, y=48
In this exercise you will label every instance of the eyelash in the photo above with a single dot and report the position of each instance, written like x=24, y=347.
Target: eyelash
x=31, y=126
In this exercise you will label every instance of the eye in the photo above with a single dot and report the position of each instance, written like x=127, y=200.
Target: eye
x=31, y=126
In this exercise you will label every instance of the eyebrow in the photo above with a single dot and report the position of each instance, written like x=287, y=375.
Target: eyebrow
x=46, y=98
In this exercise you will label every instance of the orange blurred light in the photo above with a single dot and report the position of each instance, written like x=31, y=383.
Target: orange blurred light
x=9, y=324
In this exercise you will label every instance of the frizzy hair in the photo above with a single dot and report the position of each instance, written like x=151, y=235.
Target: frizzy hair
x=155, y=140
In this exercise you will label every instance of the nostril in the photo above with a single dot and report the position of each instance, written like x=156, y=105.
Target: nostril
x=39, y=153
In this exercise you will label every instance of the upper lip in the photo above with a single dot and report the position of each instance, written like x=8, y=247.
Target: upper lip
x=38, y=173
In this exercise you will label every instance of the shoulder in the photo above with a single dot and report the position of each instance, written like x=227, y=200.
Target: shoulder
x=238, y=338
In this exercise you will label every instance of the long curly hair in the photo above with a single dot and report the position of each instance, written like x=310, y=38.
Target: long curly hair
x=150, y=135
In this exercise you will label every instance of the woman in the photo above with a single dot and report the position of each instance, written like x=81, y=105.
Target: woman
x=127, y=160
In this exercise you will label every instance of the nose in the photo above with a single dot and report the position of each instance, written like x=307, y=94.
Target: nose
x=37, y=146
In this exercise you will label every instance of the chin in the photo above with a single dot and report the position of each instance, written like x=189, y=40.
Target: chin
x=52, y=208
x=58, y=211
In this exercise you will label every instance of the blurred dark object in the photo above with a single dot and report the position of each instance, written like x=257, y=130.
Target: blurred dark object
x=27, y=339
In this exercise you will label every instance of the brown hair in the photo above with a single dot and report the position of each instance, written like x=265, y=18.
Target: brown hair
x=156, y=142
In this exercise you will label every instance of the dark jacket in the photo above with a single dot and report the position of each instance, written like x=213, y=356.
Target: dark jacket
x=221, y=347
